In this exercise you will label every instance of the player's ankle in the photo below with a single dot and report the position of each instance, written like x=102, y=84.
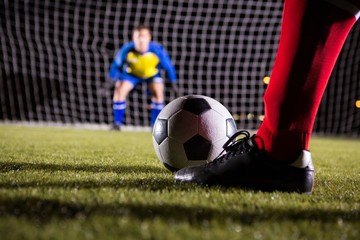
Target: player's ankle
x=281, y=150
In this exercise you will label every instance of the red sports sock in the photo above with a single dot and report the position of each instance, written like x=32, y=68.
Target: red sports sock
x=312, y=35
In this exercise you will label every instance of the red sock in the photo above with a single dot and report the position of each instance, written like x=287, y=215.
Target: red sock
x=312, y=35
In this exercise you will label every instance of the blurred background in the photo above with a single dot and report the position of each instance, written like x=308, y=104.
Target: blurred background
x=55, y=56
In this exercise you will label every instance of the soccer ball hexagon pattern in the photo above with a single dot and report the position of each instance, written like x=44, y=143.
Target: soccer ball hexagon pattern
x=191, y=130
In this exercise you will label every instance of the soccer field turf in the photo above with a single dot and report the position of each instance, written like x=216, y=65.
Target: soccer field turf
x=63, y=183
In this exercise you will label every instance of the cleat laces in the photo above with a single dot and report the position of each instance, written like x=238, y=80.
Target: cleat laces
x=234, y=146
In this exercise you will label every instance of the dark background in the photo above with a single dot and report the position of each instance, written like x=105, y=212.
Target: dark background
x=54, y=58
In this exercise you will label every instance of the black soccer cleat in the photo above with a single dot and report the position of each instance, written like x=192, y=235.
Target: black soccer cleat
x=246, y=166
x=115, y=127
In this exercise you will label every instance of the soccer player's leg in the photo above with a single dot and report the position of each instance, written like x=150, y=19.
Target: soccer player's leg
x=313, y=33
x=156, y=87
x=277, y=157
x=121, y=91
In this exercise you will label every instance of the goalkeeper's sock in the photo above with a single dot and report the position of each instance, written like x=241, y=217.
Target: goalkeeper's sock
x=119, y=108
x=156, y=108
x=312, y=35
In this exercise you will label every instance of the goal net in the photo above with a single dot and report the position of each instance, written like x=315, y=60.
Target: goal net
x=55, y=56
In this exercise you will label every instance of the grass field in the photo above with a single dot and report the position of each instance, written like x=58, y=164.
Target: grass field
x=62, y=183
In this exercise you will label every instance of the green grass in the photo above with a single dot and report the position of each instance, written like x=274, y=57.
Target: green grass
x=60, y=183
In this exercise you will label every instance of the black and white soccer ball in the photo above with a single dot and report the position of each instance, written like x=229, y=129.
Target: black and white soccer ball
x=191, y=130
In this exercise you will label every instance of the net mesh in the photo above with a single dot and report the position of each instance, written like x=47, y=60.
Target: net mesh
x=55, y=55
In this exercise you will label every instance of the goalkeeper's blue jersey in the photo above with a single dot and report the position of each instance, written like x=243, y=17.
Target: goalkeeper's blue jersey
x=142, y=65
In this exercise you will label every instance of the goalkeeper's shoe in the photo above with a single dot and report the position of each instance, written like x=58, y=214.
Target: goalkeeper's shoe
x=243, y=164
x=115, y=127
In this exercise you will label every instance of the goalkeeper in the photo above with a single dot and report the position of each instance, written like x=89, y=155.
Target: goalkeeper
x=136, y=62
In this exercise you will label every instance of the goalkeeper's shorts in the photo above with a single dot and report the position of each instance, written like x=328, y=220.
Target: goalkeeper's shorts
x=136, y=80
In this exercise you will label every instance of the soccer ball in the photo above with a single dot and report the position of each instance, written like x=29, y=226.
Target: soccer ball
x=191, y=130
